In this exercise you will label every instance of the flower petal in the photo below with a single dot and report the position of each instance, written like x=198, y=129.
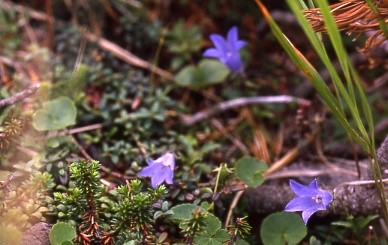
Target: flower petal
x=161, y=176
x=156, y=180
x=150, y=161
x=212, y=53
x=313, y=184
x=151, y=170
x=310, y=199
x=327, y=198
x=232, y=35
x=234, y=63
x=307, y=214
x=232, y=39
x=169, y=160
x=302, y=190
x=169, y=176
x=220, y=43
x=301, y=204
x=240, y=44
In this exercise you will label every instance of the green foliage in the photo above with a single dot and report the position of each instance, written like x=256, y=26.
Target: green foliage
x=198, y=225
x=356, y=225
x=359, y=108
x=83, y=195
x=9, y=31
x=282, y=228
x=241, y=228
x=139, y=118
x=133, y=113
x=134, y=209
x=182, y=212
x=55, y=114
x=207, y=72
x=213, y=234
x=329, y=234
x=164, y=212
x=183, y=41
x=193, y=152
x=138, y=30
x=58, y=152
x=120, y=215
x=250, y=171
x=193, y=225
x=72, y=85
x=62, y=232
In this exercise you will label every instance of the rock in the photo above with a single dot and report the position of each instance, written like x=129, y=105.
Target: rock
x=382, y=153
x=38, y=234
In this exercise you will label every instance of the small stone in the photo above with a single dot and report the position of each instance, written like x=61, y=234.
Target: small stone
x=38, y=234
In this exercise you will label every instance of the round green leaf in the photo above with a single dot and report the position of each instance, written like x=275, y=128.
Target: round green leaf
x=186, y=76
x=213, y=71
x=67, y=243
x=55, y=114
x=282, y=228
x=212, y=224
x=212, y=234
x=217, y=238
x=62, y=233
x=250, y=171
x=207, y=72
x=183, y=211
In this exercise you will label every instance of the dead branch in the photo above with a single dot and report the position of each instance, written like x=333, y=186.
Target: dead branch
x=125, y=55
x=19, y=96
x=358, y=196
x=280, y=99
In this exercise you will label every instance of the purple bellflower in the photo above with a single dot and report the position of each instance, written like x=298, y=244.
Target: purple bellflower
x=310, y=199
x=161, y=169
x=227, y=51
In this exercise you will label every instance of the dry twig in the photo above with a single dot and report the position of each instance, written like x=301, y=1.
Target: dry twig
x=199, y=116
x=19, y=96
x=126, y=56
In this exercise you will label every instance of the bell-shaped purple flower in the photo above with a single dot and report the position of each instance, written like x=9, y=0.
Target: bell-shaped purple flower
x=310, y=199
x=161, y=169
x=227, y=51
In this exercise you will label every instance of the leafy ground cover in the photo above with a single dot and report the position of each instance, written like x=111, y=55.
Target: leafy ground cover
x=186, y=122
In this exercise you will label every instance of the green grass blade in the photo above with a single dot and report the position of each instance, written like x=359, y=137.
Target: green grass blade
x=349, y=71
x=342, y=93
x=335, y=37
x=319, y=84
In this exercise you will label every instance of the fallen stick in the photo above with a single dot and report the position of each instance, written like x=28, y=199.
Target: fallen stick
x=19, y=96
x=125, y=55
x=199, y=116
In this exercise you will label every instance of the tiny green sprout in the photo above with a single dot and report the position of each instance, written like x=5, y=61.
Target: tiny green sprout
x=194, y=225
x=241, y=228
